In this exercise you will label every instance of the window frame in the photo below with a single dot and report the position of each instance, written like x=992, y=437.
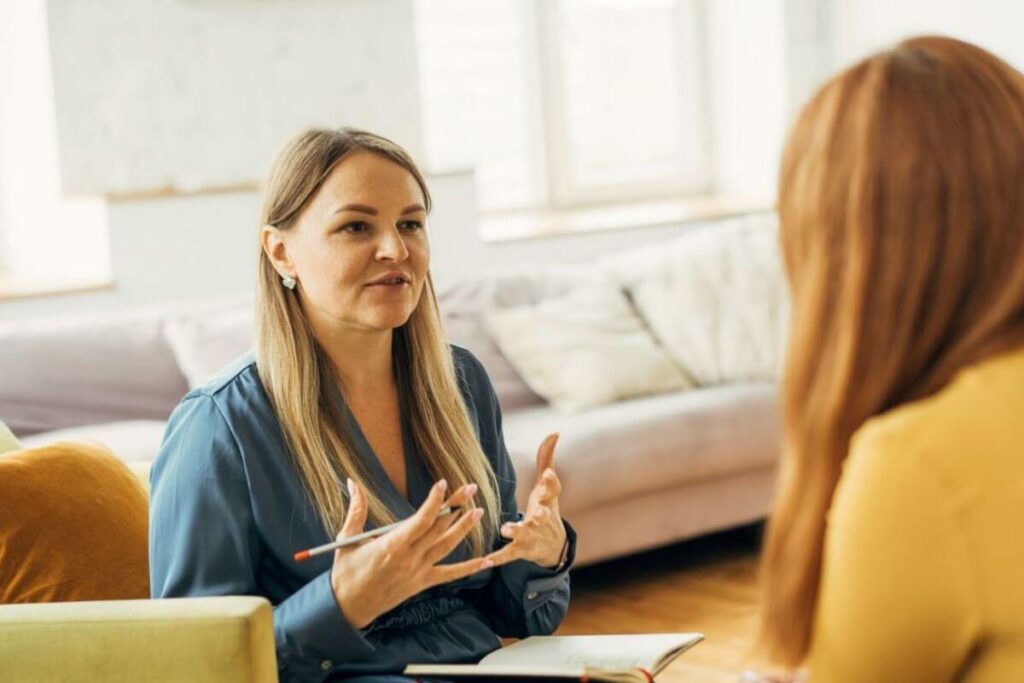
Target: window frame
x=691, y=59
x=547, y=154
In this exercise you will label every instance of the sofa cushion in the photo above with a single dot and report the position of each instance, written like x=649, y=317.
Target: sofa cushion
x=85, y=370
x=585, y=348
x=206, y=341
x=131, y=441
x=632, y=448
x=715, y=297
x=74, y=526
x=464, y=304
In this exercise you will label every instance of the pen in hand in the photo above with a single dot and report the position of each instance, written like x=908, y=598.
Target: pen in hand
x=359, y=538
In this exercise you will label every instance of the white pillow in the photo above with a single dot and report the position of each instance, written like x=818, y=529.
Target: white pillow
x=206, y=342
x=463, y=304
x=715, y=298
x=584, y=349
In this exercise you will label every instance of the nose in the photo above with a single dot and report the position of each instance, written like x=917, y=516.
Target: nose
x=391, y=246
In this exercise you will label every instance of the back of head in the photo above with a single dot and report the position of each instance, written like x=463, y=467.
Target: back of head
x=902, y=227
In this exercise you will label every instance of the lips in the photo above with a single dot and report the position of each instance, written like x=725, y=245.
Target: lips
x=390, y=279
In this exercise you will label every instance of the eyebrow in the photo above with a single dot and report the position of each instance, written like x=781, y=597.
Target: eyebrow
x=362, y=208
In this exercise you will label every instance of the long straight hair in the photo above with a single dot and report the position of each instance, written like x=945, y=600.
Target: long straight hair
x=901, y=203
x=297, y=375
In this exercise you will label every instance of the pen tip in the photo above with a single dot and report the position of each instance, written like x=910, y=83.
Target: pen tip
x=303, y=555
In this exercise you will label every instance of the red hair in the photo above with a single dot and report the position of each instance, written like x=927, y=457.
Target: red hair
x=901, y=203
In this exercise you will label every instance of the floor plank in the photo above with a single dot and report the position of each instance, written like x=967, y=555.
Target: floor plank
x=707, y=585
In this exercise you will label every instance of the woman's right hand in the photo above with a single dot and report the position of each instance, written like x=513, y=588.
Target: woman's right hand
x=371, y=578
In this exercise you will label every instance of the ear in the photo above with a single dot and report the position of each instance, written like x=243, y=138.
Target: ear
x=276, y=250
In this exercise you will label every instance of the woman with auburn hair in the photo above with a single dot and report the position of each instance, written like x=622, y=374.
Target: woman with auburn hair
x=354, y=410
x=894, y=552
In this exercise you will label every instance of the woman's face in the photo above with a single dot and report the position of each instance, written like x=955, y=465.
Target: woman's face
x=359, y=249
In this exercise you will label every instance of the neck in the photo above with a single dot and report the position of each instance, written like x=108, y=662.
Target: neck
x=361, y=360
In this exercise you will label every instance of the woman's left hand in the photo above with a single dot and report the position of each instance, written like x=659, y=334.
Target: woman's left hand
x=540, y=536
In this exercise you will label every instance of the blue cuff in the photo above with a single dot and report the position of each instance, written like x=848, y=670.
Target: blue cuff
x=312, y=634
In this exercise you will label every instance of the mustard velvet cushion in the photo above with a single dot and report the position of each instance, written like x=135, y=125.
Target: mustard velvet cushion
x=73, y=526
x=8, y=442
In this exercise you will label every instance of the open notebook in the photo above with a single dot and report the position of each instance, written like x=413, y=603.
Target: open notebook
x=586, y=658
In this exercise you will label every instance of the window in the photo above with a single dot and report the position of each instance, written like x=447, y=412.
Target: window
x=561, y=104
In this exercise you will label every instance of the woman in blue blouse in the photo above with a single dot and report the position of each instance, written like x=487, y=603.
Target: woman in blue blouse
x=354, y=412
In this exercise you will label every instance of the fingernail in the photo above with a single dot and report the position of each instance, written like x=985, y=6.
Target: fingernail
x=471, y=490
x=442, y=485
x=477, y=514
x=351, y=487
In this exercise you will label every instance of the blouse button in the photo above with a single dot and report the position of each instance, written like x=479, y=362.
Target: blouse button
x=532, y=595
x=326, y=664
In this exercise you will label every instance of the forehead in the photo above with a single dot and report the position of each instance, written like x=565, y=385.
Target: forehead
x=368, y=179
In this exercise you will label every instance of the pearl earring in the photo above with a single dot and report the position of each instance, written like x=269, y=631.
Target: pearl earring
x=288, y=281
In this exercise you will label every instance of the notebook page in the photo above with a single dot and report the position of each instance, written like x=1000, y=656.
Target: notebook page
x=596, y=652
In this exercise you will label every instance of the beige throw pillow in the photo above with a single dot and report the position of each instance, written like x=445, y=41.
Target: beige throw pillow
x=715, y=297
x=205, y=342
x=584, y=349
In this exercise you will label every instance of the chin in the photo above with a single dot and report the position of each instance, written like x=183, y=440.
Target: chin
x=391, y=321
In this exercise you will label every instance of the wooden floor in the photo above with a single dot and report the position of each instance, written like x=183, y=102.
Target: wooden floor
x=706, y=585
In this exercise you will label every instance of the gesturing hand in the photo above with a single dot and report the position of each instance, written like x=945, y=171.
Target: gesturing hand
x=371, y=578
x=540, y=536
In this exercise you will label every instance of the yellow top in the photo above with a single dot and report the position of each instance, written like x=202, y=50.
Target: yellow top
x=923, y=577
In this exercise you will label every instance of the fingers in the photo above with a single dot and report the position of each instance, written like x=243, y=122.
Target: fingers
x=535, y=522
x=504, y=555
x=423, y=519
x=546, y=454
x=453, y=536
x=445, y=573
x=551, y=487
x=511, y=531
x=355, y=516
x=463, y=498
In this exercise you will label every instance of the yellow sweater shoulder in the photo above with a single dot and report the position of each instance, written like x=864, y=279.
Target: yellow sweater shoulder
x=923, y=550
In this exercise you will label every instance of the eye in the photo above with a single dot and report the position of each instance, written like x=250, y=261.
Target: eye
x=410, y=225
x=355, y=227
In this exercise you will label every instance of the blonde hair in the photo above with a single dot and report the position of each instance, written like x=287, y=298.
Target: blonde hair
x=902, y=229
x=300, y=383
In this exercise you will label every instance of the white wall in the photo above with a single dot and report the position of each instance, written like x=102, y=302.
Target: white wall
x=193, y=94
x=149, y=79
x=810, y=50
x=193, y=248
x=36, y=217
x=747, y=91
x=864, y=26
x=177, y=248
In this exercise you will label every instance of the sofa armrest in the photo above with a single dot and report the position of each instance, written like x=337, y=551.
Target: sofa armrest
x=181, y=639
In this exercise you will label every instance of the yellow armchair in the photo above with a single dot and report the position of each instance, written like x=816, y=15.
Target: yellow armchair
x=227, y=639
x=215, y=639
